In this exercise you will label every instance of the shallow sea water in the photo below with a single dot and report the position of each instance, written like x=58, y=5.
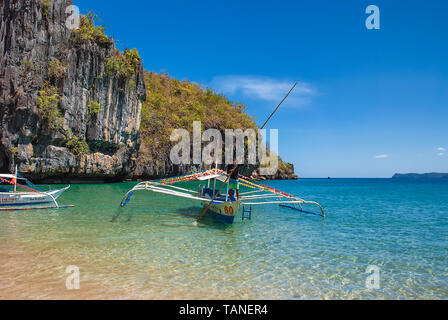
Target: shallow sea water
x=151, y=249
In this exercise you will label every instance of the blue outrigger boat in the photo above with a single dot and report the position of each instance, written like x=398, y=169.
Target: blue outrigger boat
x=224, y=206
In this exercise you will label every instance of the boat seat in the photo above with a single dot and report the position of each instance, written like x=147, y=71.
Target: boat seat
x=209, y=192
x=220, y=197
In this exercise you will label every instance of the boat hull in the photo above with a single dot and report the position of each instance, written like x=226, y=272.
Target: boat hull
x=224, y=211
x=8, y=199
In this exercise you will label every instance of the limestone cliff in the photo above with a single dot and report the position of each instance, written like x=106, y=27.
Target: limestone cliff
x=65, y=112
x=71, y=104
x=281, y=174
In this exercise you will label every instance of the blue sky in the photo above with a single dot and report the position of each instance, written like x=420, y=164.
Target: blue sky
x=368, y=103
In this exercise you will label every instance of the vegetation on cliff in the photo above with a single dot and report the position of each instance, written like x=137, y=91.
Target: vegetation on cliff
x=94, y=108
x=285, y=170
x=285, y=167
x=89, y=32
x=48, y=104
x=45, y=5
x=172, y=104
x=56, y=70
x=77, y=146
x=123, y=65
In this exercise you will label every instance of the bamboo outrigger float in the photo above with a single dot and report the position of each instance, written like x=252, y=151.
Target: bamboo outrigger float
x=224, y=206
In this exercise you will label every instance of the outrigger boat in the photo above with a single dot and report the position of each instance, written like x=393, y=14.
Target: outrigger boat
x=224, y=206
x=18, y=193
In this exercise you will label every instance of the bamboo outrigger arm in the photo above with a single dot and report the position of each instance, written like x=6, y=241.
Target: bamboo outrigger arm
x=262, y=194
x=165, y=189
x=284, y=203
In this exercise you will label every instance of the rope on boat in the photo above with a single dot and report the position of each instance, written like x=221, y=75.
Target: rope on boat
x=194, y=176
x=19, y=185
x=184, y=177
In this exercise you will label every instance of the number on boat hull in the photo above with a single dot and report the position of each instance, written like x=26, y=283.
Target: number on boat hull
x=228, y=210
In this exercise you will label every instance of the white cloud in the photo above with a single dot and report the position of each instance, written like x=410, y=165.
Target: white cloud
x=381, y=156
x=441, y=149
x=440, y=154
x=264, y=88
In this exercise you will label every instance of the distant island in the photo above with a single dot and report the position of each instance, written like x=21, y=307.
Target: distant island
x=431, y=175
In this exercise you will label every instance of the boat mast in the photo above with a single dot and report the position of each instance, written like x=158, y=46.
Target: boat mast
x=214, y=180
x=15, y=180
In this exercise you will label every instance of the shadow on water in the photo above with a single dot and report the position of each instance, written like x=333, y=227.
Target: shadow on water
x=118, y=212
x=208, y=220
x=125, y=214
x=190, y=212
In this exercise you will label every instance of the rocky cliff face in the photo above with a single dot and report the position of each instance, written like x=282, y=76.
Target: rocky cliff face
x=57, y=97
x=281, y=174
x=71, y=104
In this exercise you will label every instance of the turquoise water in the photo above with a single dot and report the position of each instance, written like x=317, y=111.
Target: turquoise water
x=152, y=249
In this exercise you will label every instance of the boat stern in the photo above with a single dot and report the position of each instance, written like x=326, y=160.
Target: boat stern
x=225, y=211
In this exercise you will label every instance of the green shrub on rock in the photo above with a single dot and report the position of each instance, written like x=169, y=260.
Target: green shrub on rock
x=77, y=147
x=88, y=32
x=14, y=151
x=94, y=107
x=132, y=85
x=48, y=99
x=45, y=5
x=56, y=70
x=28, y=65
x=123, y=65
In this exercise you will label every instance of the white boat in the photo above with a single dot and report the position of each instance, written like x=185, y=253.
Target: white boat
x=224, y=206
x=16, y=190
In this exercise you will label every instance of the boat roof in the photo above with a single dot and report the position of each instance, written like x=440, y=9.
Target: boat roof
x=220, y=177
x=9, y=176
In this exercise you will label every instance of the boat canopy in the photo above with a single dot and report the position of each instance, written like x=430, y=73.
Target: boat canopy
x=211, y=177
x=7, y=176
